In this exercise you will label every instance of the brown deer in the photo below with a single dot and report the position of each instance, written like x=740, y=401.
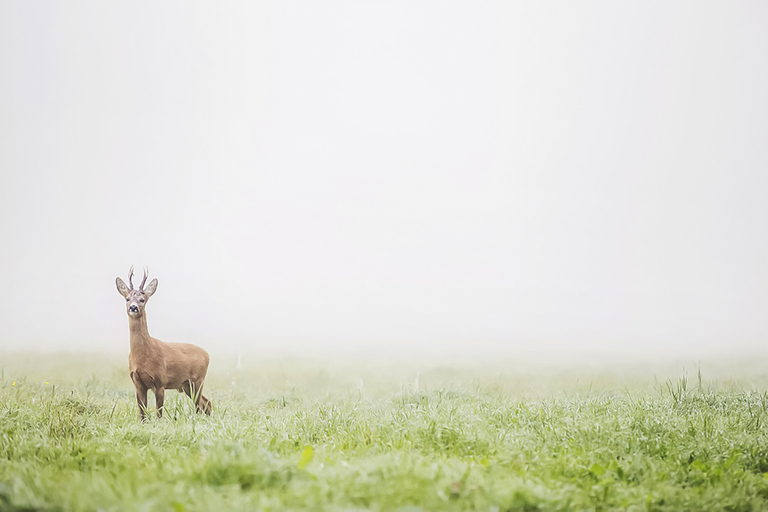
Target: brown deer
x=157, y=365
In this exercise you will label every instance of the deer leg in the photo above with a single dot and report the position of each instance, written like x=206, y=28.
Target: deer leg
x=196, y=394
x=190, y=390
x=185, y=387
x=208, y=409
x=159, y=398
x=203, y=404
x=141, y=395
x=141, y=398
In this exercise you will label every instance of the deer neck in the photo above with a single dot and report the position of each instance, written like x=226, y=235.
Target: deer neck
x=139, y=332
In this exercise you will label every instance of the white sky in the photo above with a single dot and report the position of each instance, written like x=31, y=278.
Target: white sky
x=384, y=177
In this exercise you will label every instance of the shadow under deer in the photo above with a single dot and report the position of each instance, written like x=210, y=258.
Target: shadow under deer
x=157, y=365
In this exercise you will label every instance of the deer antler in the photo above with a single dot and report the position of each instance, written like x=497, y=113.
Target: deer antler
x=146, y=274
x=130, y=277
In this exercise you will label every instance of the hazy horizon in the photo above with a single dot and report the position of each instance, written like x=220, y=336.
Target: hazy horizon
x=387, y=177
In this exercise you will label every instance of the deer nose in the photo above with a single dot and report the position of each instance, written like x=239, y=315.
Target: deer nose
x=133, y=308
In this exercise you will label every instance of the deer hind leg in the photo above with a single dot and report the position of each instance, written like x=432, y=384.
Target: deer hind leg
x=159, y=399
x=204, y=404
x=196, y=393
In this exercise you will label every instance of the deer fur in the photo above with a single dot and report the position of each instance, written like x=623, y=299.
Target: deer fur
x=156, y=365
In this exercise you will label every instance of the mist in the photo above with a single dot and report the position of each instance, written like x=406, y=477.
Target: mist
x=387, y=178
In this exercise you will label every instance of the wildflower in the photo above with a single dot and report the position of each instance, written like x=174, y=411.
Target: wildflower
x=14, y=383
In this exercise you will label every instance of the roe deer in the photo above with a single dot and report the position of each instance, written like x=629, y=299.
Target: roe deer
x=156, y=365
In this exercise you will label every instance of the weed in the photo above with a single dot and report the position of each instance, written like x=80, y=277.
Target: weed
x=315, y=439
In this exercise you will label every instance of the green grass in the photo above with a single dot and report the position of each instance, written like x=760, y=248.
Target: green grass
x=291, y=435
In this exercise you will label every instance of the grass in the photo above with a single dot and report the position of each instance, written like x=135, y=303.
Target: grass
x=293, y=435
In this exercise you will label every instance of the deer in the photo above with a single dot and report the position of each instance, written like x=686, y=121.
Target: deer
x=157, y=365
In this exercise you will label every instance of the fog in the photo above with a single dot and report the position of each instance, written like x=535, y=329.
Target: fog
x=387, y=178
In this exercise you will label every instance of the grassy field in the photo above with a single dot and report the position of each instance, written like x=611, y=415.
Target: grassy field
x=296, y=435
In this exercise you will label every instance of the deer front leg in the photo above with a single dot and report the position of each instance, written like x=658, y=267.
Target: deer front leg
x=141, y=395
x=141, y=398
x=159, y=398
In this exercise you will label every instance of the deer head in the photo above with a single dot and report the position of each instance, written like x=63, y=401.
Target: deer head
x=135, y=300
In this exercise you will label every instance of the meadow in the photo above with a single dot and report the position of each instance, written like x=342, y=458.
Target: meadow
x=365, y=435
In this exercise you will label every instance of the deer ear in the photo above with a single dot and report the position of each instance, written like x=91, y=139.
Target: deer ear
x=151, y=288
x=122, y=288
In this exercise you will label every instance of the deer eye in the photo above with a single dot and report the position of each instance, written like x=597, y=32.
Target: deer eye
x=127, y=299
x=141, y=300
